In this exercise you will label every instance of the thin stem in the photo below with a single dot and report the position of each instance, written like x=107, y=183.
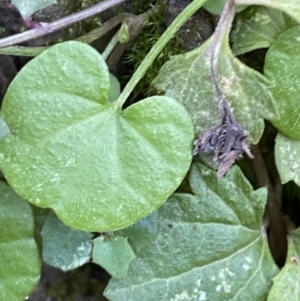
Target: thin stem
x=111, y=45
x=278, y=229
x=157, y=48
x=59, y=24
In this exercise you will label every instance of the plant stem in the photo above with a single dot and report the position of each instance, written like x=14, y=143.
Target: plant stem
x=278, y=228
x=157, y=48
x=47, y=28
x=111, y=45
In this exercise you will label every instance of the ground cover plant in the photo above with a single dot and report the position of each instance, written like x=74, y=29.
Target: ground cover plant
x=188, y=191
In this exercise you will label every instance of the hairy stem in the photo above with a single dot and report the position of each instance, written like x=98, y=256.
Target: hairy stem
x=59, y=24
x=278, y=228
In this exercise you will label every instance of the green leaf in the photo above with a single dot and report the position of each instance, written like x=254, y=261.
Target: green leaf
x=29, y=7
x=215, y=7
x=187, y=78
x=19, y=256
x=287, y=282
x=64, y=247
x=98, y=167
x=290, y=7
x=114, y=254
x=4, y=130
x=282, y=67
x=114, y=89
x=287, y=159
x=210, y=245
x=257, y=27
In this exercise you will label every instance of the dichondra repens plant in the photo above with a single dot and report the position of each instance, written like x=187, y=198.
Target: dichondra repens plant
x=69, y=145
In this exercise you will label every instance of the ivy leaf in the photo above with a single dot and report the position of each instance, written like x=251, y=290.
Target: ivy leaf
x=282, y=67
x=257, y=27
x=98, y=167
x=215, y=7
x=210, y=245
x=114, y=254
x=29, y=7
x=187, y=78
x=64, y=247
x=287, y=282
x=290, y=7
x=19, y=255
x=287, y=158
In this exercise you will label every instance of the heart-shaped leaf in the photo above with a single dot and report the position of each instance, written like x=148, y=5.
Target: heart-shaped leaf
x=187, y=78
x=98, y=167
x=64, y=247
x=287, y=282
x=19, y=255
x=209, y=245
x=282, y=67
x=287, y=158
x=114, y=254
x=257, y=27
x=29, y=7
x=290, y=7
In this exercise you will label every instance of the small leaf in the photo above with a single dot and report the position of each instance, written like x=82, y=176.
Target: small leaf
x=215, y=7
x=210, y=245
x=257, y=27
x=287, y=283
x=282, y=67
x=114, y=254
x=290, y=7
x=187, y=78
x=29, y=7
x=98, y=167
x=64, y=247
x=287, y=159
x=114, y=89
x=19, y=255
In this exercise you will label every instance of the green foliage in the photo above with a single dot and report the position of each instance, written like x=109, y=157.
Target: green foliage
x=114, y=254
x=80, y=153
x=207, y=245
x=86, y=164
x=19, y=256
x=29, y=7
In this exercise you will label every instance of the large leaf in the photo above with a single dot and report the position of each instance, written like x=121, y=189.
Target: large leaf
x=187, y=78
x=19, y=256
x=98, y=167
x=29, y=7
x=257, y=27
x=282, y=66
x=64, y=247
x=287, y=282
x=290, y=7
x=287, y=158
x=209, y=245
x=114, y=254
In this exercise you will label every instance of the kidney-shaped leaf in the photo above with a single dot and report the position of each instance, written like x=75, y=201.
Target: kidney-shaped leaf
x=64, y=247
x=209, y=245
x=287, y=158
x=287, y=282
x=114, y=254
x=257, y=27
x=187, y=78
x=282, y=66
x=290, y=7
x=29, y=7
x=19, y=255
x=98, y=167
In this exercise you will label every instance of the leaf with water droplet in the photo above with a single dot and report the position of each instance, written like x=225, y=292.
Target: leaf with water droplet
x=98, y=167
x=19, y=255
x=209, y=245
x=64, y=247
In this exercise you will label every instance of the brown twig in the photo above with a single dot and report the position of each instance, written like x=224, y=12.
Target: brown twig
x=277, y=225
x=48, y=28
